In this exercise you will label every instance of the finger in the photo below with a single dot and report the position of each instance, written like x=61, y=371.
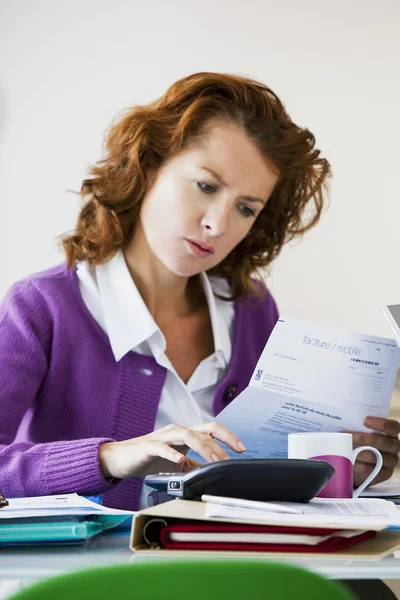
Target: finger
x=162, y=450
x=367, y=457
x=381, y=442
x=173, y=435
x=176, y=435
x=206, y=446
x=222, y=434
x=362, y=470
x=389, y=426
x=202, y=443
x=183, y=449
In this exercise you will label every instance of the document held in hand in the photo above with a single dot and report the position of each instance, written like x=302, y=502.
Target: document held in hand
x=311, y=377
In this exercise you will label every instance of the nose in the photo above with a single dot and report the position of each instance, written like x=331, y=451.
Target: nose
x=215, y=218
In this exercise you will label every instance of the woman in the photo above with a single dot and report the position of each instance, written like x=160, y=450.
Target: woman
x=114, y=364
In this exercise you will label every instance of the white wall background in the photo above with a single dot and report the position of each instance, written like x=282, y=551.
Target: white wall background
x=66, y=68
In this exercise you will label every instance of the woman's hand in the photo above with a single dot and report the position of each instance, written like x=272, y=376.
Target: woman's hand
x=165, y=450
x=386, y=441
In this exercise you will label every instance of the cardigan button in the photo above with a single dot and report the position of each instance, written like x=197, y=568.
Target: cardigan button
x=230, y=392
x=146, y=372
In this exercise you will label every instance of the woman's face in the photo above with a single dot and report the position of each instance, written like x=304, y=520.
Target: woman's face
x=203, y=202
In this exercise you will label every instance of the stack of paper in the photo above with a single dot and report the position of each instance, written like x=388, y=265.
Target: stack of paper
x=329, y=527
x=358, y=514
x=59, y=519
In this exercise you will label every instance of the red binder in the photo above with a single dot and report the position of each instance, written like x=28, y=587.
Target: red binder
x=185, y=536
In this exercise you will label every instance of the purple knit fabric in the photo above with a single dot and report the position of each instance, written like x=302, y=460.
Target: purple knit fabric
x=62, y=393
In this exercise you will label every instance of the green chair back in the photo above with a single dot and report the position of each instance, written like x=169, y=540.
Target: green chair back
x=192, y=580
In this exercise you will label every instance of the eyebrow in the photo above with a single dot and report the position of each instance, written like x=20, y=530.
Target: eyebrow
x=222, y=182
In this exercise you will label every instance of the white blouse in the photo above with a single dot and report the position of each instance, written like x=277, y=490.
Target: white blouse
x=113, y=299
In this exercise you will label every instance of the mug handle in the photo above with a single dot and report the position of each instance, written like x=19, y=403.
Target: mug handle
x=378, y=467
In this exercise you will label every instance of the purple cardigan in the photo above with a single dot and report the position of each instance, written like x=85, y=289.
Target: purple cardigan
x=62, y=393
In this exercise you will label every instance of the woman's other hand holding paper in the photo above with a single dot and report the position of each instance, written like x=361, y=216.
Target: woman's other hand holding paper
x=385, y=439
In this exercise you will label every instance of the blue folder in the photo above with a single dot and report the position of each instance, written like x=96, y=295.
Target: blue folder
x=57, y=531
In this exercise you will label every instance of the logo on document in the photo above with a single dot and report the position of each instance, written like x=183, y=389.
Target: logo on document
x=258, y=374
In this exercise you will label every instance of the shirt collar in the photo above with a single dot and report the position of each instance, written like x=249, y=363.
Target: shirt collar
x=129, y=322
x=127, y=318
x=220, y=318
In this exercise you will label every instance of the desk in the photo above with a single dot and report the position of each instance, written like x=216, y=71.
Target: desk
x=22, y=567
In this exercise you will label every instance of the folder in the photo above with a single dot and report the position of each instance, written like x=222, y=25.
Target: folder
x=58, y=519
x=236, y=536
x=188, y=512
x=60, y=532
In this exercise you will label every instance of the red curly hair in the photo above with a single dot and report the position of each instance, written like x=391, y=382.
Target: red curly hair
x=147, y=136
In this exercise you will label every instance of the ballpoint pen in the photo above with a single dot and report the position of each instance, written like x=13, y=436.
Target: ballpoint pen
x=253, y=504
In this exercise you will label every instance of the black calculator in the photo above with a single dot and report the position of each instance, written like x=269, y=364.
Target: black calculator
x=264, y=479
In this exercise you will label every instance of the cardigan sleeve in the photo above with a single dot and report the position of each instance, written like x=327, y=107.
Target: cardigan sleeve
x=26, y=468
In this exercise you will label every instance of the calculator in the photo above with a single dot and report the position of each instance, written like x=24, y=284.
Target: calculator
x=264, y=479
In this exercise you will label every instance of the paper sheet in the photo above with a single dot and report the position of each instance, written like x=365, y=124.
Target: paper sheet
x=56, y=506
x=311, y=377
x=358, y=514
x=388, y=489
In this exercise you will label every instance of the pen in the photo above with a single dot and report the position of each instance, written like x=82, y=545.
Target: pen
x=254, y=504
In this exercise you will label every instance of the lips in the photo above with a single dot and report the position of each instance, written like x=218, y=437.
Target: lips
x=199, y=248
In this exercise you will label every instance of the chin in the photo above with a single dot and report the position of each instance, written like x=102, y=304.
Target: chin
x=187, y=272
x=183, y=269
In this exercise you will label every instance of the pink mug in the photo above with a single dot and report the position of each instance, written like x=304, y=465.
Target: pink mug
x=336, y=449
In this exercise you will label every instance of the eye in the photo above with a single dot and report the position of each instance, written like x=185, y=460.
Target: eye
x=246, y=211
x=207, y=188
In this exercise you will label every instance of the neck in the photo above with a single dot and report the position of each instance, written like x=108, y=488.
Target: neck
x=164, y=293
